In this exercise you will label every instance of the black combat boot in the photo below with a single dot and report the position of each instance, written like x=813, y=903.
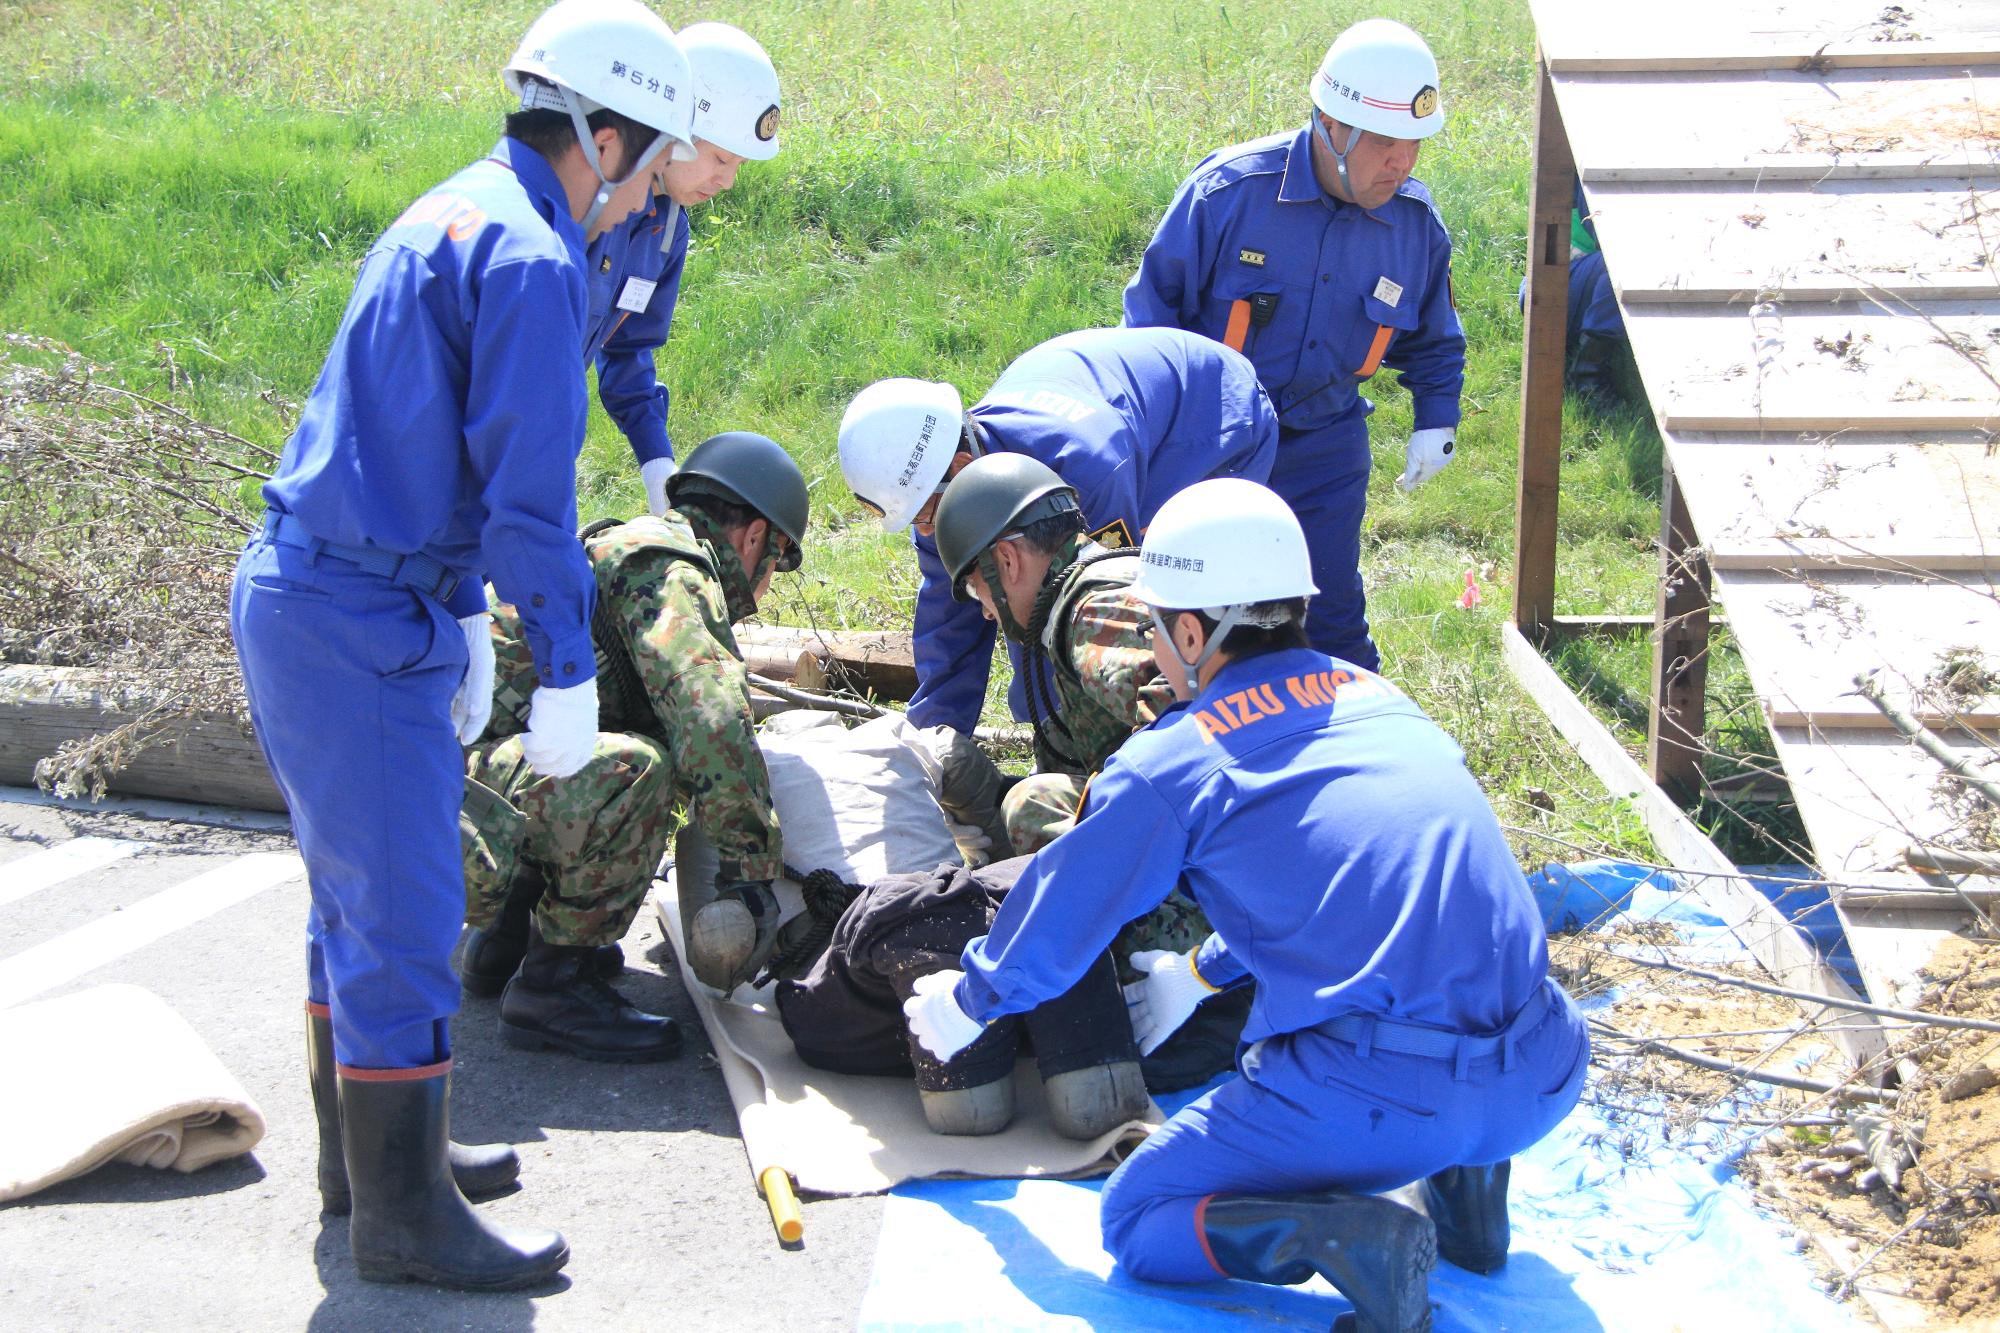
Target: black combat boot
x=493, y=953
x=410, y=1222
x=1593, y=374
x=480, y=1170
x=1378, y=1253
x=558, y=1000
x=1468, y=1206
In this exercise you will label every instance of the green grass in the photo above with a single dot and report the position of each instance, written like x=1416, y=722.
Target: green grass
x=959, y=181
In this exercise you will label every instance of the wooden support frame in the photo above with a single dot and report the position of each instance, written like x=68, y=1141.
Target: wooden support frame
x=1547, y=328
x=1763, y=929
x=1680, y=651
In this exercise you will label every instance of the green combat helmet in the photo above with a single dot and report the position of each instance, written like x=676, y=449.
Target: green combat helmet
x=992, y=496
x=754, y=470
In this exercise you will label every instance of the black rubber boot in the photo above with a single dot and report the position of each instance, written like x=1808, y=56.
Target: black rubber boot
x=1592, y=375
x=410, y=1222
x=1203, y=1046
x=1468, y=1206
x=480, y=1170
x=557, y=1000
x=1378, y=1253
x=492, y=954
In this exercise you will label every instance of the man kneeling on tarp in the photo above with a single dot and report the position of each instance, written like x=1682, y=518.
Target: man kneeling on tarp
x=846, y=1014
x=1405, y=1028
x=555, y=871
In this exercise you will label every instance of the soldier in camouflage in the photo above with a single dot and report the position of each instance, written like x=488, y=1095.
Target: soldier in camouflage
x=1010, y=534
x=556, y=870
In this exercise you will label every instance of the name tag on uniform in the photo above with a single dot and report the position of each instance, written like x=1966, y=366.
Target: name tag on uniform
x=1387, y=292
x=638, y=291
x=1254, y=258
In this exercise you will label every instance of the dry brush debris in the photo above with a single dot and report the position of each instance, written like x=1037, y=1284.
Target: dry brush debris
x=120, y=519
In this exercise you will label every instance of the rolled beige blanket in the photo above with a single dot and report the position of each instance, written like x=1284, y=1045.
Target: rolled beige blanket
x=112, y=1074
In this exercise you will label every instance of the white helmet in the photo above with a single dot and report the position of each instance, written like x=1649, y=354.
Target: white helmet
x=595, y=54
x=736, y=90
x=1379, y=76
x=1221, y=547
x=896, y=440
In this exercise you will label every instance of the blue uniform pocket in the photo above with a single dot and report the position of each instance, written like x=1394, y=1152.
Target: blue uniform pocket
x=1375, y=1097
x=285, y=587
x=1380, y=325
x=1274, y=345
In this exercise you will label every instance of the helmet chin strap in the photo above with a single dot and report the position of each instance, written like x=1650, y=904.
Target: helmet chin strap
x=1339, y=154
x=605, y=188
x=1190, y=672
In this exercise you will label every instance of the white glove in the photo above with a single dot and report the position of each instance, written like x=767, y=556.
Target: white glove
x=975, y=845
x=1165, y=997
x=936, y=1021
x=654, y=472
x=473, y=704
x=1426, y=454
x=562, y=729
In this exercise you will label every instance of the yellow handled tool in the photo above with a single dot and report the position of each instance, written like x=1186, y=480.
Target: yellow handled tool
x=784, y=1204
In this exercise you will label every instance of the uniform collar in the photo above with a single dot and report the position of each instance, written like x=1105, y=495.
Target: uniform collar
x=538, y=180
x=1249, y=671
x=1300, y=186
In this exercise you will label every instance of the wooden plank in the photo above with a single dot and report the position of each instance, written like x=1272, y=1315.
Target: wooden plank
x=1873, y=124
x=1803, y=637
x=1680, y=653
x=1838, y=715
x=1907, y=556
x=1813, y=240
x=1544, y=331
x=1586, y=35
x=1890, y=502
x=1762, y=928
x=1819, y=367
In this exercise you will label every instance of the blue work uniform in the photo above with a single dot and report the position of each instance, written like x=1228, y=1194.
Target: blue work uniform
x=634, y=283
x=1128, y=417
x=1322, y=294
x=437, y=451
x=1349, y=863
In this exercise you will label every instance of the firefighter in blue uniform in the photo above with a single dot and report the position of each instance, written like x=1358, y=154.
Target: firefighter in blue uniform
x=1126, y=417
x=1318, y=255
x=635, y=268
x=1404, y=1027
x=438, y=449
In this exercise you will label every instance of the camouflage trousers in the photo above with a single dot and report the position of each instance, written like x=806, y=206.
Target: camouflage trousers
x=1041, y=808
x=597, y=835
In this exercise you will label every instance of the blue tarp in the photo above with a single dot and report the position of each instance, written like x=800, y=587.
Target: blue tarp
x=1615, y=1228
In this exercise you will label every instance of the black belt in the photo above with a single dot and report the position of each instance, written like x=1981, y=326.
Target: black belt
x=1369, y=1033
x=420, y=572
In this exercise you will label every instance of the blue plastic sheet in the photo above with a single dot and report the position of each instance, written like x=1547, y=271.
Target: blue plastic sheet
x=1615, y=1228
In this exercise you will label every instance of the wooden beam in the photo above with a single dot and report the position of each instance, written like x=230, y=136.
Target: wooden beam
x=876, y=662
x=1712, y=877
x=210, y=761
x=1545, y=331
x=1680, y=652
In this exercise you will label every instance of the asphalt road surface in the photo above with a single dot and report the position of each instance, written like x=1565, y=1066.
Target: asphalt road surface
x=639, y=1166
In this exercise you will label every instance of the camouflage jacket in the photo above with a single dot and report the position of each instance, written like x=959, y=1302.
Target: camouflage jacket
x=1097, y=661
x=668, y=590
